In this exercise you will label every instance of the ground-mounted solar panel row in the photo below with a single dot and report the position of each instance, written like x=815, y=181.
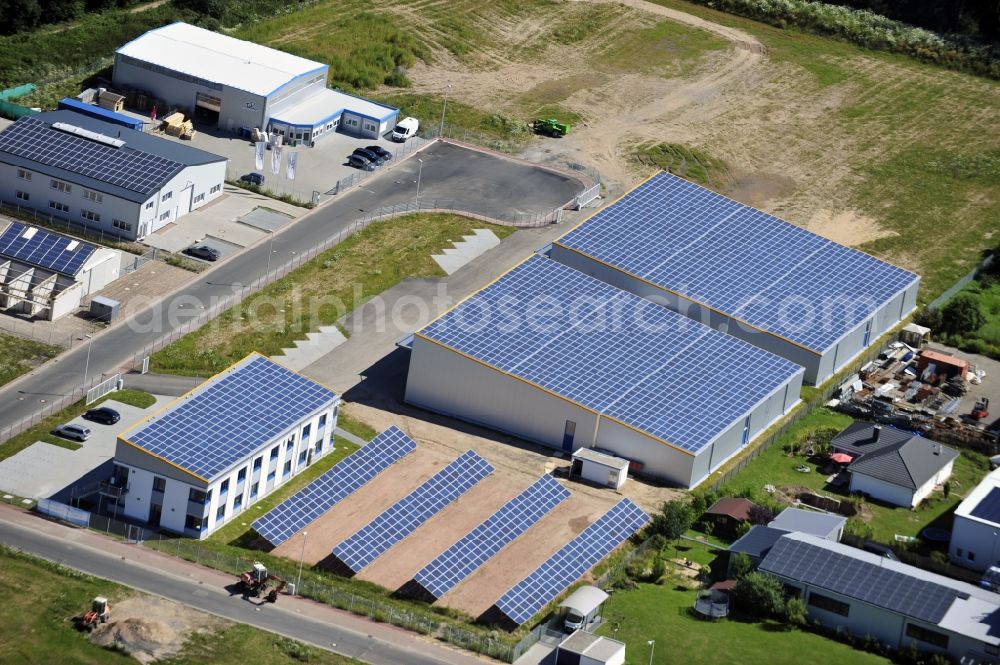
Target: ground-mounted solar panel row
x=482, y=543
x=47, y=250
x=406, y=515
x=530, y=595
x=305, y=506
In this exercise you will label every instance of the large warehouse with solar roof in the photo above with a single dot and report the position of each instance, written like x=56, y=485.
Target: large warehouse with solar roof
x=742, y=271
x=556, y=357
x=216, y=450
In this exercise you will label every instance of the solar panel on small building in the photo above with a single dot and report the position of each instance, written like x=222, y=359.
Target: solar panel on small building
x=31, y=245
x=406, y=515
x=308, y=504
x=530, y=595
x=503, y=527
x=230, y=416
x=740, y=261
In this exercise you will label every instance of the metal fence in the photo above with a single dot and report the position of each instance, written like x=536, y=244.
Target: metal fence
x=103, y=388
x=520, y=220
x=803, y=409
x=50, y=335
x=588, y=195
x=404, y=150
x=64, y=513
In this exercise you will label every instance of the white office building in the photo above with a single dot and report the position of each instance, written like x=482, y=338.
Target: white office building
x=213, y=452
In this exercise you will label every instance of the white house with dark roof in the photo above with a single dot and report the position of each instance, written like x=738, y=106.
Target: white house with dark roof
x=103, y=176
x=975, y=533
x=214, y=451
x=894, y=466
x=860, y=593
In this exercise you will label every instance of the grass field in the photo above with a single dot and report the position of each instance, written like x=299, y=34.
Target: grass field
x=320, y=292
x=660, y=613
x=19, y=356
x=42, y=431
x=36, y=626
x=775, y=467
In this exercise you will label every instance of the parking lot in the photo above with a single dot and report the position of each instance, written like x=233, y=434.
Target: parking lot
x=43, y=471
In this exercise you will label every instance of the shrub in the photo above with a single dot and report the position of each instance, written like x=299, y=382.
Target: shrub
x=740, y=565
x=929, y=317
x=962, y=314
x=795, y=612
x=760, y=594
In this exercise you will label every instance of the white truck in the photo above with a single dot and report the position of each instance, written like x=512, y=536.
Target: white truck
x=404, y=129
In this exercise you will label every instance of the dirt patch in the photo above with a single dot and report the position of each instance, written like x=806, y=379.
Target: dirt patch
x=151, y=628
x=846, y=227
x=759, y=188
x=558, y=90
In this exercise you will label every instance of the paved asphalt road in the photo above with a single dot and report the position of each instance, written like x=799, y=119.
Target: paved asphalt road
x=476, y=180
x=400, y=648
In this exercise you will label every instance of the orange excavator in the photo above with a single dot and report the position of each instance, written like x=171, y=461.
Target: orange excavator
x=99, y=612
x=256, y=582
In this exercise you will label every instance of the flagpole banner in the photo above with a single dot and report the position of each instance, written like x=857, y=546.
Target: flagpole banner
x=259, y=156
x=276, y=160
x=293, y=159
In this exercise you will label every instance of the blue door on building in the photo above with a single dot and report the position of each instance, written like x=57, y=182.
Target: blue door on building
x=568, y=434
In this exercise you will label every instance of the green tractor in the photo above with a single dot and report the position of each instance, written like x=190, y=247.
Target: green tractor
x=551, y=127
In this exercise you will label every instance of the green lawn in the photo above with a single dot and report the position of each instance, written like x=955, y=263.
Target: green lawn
x=19, y=356
x=359, y=429
x=36, y=624
x=660, y=613
x=42, y=431
x=319, y=292
x=985, y=340
x=775, y=467
x=240, y=532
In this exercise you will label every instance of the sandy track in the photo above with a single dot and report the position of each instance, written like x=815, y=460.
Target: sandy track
x=360, y=508
x=398, y=566
x=477, y=593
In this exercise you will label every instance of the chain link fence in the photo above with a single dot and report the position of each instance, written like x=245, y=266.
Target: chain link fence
x=519, y=220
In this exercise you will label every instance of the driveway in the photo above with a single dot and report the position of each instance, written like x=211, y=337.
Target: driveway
x=43, y=471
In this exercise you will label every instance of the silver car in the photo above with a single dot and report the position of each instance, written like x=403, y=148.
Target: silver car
x=73, y=432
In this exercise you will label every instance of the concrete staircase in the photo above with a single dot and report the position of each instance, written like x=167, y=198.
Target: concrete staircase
x=463, y=251
x=312, y=348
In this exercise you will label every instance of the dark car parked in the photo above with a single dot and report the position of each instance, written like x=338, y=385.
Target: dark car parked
x=253, y=178
x=369, y=155
x=380, y=151
x=103, y=415
x=203, y=252
x=359, y=162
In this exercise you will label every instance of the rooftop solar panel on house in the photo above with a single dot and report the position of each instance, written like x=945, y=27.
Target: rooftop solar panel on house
x=322, y=494
x=740, y=261
x=51, y=251
x=230, y=416
x=403, y=517
x=132, y=170
x=612, y=352
x=530, y=595
x=989, y=508
x=503, y=527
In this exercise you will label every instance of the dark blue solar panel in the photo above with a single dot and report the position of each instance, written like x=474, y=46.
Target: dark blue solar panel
x=231, y=416
x=739, y=261
x=613, y=352
x=133, y=170
x=322, y=494
x=575, y=558
x=989, y=508
x=503, y=527
x=45, y=250
x=406, y=515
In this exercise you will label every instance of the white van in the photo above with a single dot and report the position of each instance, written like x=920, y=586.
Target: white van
x=404, y=129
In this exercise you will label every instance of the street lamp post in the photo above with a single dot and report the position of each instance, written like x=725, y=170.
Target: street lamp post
x=298, y=580
x=420, y=172
x=444, y=109
x=652, y=645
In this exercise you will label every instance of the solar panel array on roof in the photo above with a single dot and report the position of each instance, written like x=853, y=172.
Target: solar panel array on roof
x=305, y=506
x=51, y=251
x=989, y=508
x=230, y=416
x=503, y=527
x=133, y=170
x=740, y=261
x=403, y=517
x=576, y=557
x=613, y=352
x=822, y=566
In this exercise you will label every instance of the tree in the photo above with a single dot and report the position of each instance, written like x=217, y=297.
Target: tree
x=674, y=518
x=740, y=565
x=214, y=8
x=18, y=15
x=759, y=514
x=795, y=612
x=946, y=490
x=962, y=315
x=929, y=317
x=761, y=595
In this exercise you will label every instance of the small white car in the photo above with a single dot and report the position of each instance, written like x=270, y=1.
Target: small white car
x=405, y=128
x=73, y=432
